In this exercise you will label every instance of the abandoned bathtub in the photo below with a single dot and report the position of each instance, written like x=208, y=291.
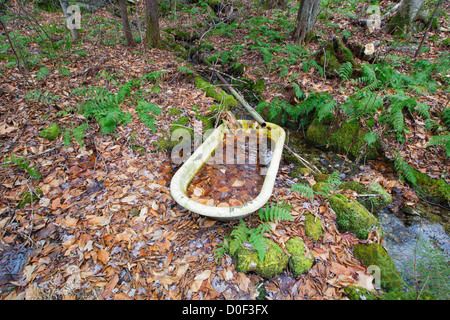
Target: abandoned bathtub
x=182, y=178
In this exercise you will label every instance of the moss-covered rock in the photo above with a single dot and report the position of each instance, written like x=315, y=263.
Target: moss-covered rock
x=341, y=140
x=376, y=255
x=373, y=204
x=352, y=216
x=321, y=187
x=359, y=293
x=435, y=189
x=216, y=93
x=313, y=227
x=166, y=144
x=298, y=172
x=174, y=111
x=275, y=260
x=321, y=177
x=299, y=263
x=51, y=132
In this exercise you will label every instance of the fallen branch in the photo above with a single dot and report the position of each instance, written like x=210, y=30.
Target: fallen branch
x=308, y=165
x=238, y=97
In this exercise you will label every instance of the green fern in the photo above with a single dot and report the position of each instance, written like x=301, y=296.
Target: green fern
x=143, y=108
x=423, y=110
x=242, y=234
x=258, y=241
x=442, y=140
x=368, y=77
x=445, y=116
x=77, y=134
x=299, y=93
x=404, y=169
x=104, y=107
x=304, y=190
x=345, y=71
x=237, y=237
x=311, y=63
x=43, y=97
x=274, y=213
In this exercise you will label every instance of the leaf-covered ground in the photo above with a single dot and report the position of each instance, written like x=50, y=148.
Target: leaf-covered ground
x=105, y=225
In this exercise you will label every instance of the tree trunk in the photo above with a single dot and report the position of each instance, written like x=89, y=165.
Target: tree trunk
x=152, y=36
x=306, y=18
x=407, y=12
x=75, y=33
x=125, y=23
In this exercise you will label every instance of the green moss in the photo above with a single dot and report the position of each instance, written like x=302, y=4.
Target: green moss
x=298, y=262
x=51, y=132
x=27, y=197
x=352, y=216
x=321, y=187
x=397, y=25
x=313, y=227
x=373, y=204
x=298, y=172
x=435, y=189
x=180, y=50
x=334, y=55
x=174, y=111
x=376, y=255
x=359, y=293
x=342, y=139
x=216, y=93
x=165, y=144
x=320, y=177
x=275, y=260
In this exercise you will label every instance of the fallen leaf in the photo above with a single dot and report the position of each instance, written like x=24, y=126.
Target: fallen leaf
x=103, y=255
x=4, y=128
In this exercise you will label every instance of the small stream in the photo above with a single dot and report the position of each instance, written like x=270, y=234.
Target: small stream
x=409, y=238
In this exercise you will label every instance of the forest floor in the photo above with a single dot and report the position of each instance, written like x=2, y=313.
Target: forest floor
x=105, y=225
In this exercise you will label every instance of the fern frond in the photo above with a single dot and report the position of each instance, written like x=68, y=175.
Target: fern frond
x=423, y=110
x=299, y=93
x=304, y=190
x=124, y=92
x=445, y=116
x=345, y=71
x=274, y=213
x=237, y=237
x=405, y=170
x=258, y=242
x=369, y=77
x=443, y=141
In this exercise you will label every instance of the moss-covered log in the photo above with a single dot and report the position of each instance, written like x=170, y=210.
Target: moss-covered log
x=352, y=216
x=345, y=139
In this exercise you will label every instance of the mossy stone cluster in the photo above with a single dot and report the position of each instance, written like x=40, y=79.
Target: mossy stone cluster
x=313, y=227
x=376, y=255
x=352, y=216
x=342, y=140
x=216, y=93
x=275, y=260
x=299, y=262
x=373, y=204
x=51, y=132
